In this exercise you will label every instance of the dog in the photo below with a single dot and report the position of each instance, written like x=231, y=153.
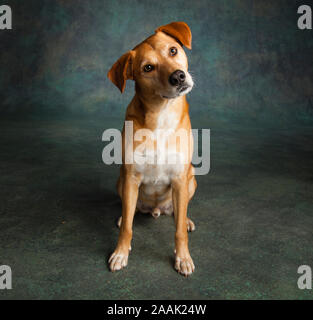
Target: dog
x=159, y=67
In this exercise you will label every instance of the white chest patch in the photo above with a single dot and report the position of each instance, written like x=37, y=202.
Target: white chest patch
x=159, y=165
x=167, y=120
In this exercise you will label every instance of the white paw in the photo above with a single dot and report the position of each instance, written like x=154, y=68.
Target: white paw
x=184, y=266
x=119, y=221
x=190, y=225
x=118, y=260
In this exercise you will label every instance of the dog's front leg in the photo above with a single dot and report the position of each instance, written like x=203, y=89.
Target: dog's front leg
x=183, y=261
x=119, y=257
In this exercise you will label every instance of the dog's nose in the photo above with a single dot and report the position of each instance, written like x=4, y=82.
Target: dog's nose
x=177, y=78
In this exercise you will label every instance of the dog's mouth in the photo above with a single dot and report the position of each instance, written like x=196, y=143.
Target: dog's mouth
x=182, y=88
x=179, y=92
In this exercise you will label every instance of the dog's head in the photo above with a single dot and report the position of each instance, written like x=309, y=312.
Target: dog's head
x=158, y=65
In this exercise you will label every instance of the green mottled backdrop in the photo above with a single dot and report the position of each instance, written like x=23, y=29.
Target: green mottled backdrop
x=58, y=205
x=249, y=59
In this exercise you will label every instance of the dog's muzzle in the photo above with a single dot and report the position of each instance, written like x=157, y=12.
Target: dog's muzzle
x=180, y=82
x=177, y=78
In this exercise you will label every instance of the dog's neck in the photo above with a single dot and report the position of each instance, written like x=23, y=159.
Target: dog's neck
x=151, y=108
x=154, y=104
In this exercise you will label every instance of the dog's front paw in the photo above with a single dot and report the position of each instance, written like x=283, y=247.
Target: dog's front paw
x=118, y=260
x=184, y=265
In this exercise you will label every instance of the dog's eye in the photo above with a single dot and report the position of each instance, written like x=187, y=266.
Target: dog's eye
x=148, y=68
x=173, y=51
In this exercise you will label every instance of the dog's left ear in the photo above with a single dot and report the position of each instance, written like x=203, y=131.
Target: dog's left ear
x=178, y=30
x=121, y=71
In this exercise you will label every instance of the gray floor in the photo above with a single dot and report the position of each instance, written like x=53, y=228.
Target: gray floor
x=58, y=206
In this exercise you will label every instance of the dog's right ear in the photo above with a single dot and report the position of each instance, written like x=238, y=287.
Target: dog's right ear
x=121, y=71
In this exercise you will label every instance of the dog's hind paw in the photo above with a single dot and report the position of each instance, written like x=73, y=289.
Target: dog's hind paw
x=190, y=225
x=119, y=222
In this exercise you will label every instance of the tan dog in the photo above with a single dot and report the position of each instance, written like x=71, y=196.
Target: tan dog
x=159, y=68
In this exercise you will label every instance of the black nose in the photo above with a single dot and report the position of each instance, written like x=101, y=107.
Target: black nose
x=177, y=78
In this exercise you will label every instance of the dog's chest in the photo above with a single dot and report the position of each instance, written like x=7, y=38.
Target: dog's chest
x=158, y=174
x=159, y=164
x=167, y=120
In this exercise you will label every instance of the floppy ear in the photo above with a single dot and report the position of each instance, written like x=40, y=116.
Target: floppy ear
x=178, y=30
x=121, y=71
